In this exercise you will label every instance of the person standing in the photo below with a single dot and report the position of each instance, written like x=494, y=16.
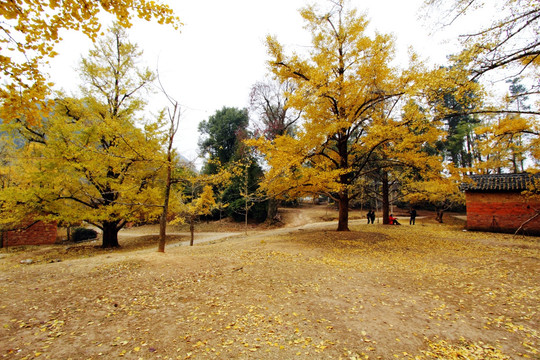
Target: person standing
x=412, y=221
x=369, y=216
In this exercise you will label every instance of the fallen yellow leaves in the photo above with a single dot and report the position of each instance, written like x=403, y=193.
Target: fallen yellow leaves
x=424, y=294
x=463, y=350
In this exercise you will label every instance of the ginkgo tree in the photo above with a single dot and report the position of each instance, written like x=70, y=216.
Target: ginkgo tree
x=272, y=117
x=508, y=38
x=195, y=194
x=351, y=100
x=509, y=140
x=502, y=46
x=198, y=202
x=89, y=159
x=29, y=32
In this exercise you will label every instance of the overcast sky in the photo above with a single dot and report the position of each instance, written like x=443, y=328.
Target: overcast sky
x=220, y=51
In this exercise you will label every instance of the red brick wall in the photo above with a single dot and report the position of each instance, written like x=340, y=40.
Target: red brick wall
x=500, y=212
x=38, y=234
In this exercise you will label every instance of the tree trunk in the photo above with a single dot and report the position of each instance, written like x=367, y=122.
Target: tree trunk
x=343, y=219
x=272, y=210
x=192, y=230
x=174, y=120
x=110, y=234
x=344, y=180
x=162, y=230
x=246, y=217
x=163, y=217
x=440, y=213
x=385, y=198
x=246, y=195
x=168, y=183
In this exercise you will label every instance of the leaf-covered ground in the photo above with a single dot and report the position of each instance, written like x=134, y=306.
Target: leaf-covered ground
x=379, y=292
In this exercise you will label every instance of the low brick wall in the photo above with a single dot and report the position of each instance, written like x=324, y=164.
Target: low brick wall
x=500, y=212
x=40, y=233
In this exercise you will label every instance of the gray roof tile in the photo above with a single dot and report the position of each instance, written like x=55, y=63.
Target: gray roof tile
x=499, y=182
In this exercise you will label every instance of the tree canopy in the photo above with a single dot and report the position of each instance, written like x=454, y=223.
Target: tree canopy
x=221, y=135
x=506, y=47
x=87, y=160
x=29, y=31
x=357, y=109
x=511, y=37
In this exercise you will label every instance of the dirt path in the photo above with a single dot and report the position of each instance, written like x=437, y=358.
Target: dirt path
x=200, y=237
x=294, y=219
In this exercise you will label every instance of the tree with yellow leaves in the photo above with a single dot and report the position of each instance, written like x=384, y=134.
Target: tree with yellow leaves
x=201, y=205
x=352, y=103
x=273, y=117
x=504, y=46
x=15, y=204
x=509, y=38
x=88, y=160
x=29, y=31
x=194, y=196
x=443, y=192
x=510, y=138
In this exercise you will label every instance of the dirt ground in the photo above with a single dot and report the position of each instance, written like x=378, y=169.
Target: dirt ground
x=428, y=291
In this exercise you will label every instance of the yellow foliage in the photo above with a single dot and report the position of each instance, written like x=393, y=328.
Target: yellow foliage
x=29, y=32
x=205, y=203
x=86, y=159
x=356, y=109
x=465, y=350
x=442, y=191
x=506, y=141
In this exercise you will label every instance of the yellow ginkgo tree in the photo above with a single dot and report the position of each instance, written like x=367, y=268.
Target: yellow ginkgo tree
x=90, y=159
x=194, y=196
x=502, y=46
x=354, y=106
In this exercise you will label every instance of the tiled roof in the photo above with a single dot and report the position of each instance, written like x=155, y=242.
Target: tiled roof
x=499, y=182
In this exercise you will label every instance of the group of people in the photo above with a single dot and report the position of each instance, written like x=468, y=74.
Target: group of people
x=391, y=219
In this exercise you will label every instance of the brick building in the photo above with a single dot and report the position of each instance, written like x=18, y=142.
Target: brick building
x=32, y=233
x=496, y=203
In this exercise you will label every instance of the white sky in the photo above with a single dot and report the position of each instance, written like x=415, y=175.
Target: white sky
x=220, y=51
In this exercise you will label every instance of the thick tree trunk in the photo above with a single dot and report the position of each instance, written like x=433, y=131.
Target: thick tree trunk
x=385, y=198
x=110, y=234
x=273, y=205
x=440, y=213
x=343, y=219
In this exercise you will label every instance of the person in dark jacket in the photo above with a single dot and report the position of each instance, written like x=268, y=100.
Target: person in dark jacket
x=370, y=216
x=413, y=217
